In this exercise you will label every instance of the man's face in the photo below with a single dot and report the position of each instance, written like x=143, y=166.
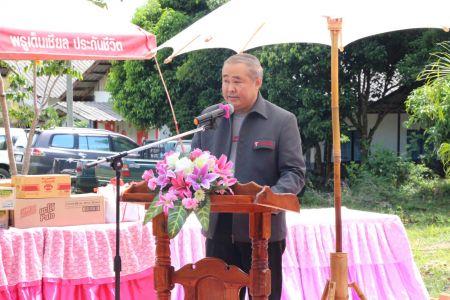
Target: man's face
x=238, y=88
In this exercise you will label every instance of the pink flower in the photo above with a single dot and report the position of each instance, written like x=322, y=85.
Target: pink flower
x=161, y=165
x=227, y=181
x=225, y=184
x=187, y=180
x=195, y=153
x=152, y=183
x=167, y=201
x=190, y=203
x=222, y=167
x=148, y=175
x=167, y=154
x=165, y=174
x=180, y=186
x=200, y=178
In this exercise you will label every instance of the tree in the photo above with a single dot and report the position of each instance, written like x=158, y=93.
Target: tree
x=297, y=77
x=429, y=106
x=380, y=68
x=21, y=90
x=192, y=79
x=18, y=94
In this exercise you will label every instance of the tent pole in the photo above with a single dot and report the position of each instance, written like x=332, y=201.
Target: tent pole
x=69, y=97
x=338, y=260
x=334, y=25
x=337, y=286
x=6, y=125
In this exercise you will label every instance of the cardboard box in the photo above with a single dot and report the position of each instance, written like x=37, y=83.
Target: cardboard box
x=4, y=219
x=11, y=218
x=74, y=210
x=41, y=186
x=7, y=198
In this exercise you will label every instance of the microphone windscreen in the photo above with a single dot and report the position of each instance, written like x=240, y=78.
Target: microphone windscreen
x=231, y=108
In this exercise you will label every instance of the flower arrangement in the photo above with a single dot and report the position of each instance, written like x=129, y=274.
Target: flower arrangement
x=183, y=184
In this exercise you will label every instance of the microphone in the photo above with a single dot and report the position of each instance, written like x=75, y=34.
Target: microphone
x=224, y=110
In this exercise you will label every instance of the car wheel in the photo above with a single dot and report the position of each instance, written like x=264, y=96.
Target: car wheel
x=4, y=174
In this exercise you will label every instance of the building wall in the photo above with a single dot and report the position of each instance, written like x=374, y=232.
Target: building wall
x=390, y=132
x=102, y=96
x=387, y=135
x=101, y=84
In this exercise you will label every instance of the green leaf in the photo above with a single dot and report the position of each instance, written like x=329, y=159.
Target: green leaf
x=153, y=210
x=203, y=213
x=177, y=216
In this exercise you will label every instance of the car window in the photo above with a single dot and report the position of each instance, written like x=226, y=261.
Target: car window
x=156, y=152
x=2, y=142
x=83, y=143
x=94, y=143
x=21, y=142
x=176, y=146
x=63, y=141
x=186, y=147
x=23, y=139
x=121, y=144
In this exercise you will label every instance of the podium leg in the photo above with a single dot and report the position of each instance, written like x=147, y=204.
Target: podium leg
x=163, y=269
x=260, y=277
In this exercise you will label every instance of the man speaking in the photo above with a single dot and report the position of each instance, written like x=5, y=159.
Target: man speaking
x=263, y=141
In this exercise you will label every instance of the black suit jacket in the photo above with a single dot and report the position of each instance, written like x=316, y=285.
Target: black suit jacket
x=269, y=153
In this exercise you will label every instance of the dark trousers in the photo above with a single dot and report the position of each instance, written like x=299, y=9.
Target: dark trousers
x=240, y=254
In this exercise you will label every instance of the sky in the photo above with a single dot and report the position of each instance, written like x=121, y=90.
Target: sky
x=124, y=9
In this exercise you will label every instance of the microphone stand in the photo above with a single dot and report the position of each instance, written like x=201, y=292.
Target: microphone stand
x=116, y=163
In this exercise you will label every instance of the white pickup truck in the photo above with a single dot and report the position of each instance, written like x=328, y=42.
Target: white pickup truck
x=4, y=161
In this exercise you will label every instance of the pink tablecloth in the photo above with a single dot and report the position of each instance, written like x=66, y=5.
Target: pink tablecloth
x=21, y=253
x=379, y=256
x=77, y=262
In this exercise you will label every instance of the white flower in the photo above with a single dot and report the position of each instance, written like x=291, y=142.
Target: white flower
x=184, y=164
x=172, y=159
x=202, y=160
x=199, y=195
x=212, y=163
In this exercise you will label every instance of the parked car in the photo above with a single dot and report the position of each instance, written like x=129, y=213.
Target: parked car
x=134, y=167
x=58, y=150
x=16, y=133
x=132, y=170
x=158, y=151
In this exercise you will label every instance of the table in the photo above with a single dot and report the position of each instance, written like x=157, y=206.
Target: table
x=379, y=256
x=76, y=262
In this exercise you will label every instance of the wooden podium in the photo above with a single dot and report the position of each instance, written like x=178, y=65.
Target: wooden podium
x=212, y=278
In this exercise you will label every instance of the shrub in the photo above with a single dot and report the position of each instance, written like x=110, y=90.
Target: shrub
x=391, y=183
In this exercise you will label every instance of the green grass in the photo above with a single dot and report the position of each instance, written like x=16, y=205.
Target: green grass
x=430, y=244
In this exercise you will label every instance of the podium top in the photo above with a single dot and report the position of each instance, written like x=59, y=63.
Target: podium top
x=249, y=197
